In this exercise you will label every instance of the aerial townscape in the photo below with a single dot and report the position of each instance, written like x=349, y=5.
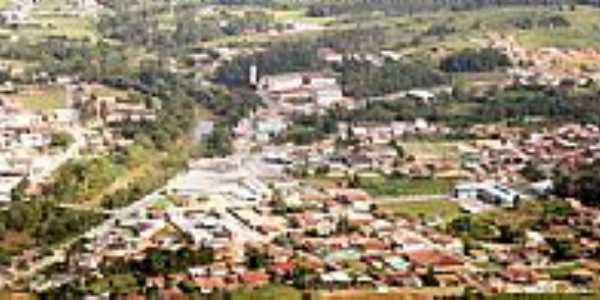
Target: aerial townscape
x=300, y=149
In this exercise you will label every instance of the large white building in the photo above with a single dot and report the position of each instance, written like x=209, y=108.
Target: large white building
x=489, y=192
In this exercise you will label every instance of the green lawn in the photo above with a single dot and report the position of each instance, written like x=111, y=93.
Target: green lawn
x=424, y=149
x=470, y=27
x=563, y=271
x=63, y=26
x=444, y=209
x=4, y=3
x=269, y=292
x=122, y=283
x=406, y=187
x=42, y=99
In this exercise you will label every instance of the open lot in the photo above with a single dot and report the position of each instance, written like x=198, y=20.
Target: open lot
x=395, y=294
x=4, y=3
x=42, y=98
x=469, y=28
x=431, y=150
x=443, y=209
x=407, y=187
x=269, y=292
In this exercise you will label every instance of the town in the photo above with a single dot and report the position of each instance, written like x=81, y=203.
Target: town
x=302, y=150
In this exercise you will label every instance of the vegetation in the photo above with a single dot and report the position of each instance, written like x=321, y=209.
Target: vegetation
x=79, y=180
x=405, y=187
x=396, y=8
x=310, y=128
x=42, y=99
x=128, y=277
x=282, y=57
x=61, y=139
x=35, y=223
x=484, y=60
x=425, y=210
x=363, y=79
x=269, y=292
x=509, y=225
x=582, y=184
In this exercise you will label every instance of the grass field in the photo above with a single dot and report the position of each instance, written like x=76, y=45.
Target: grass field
x=469, y=28
x=4, y=3
x=393, y=294
x=562, y=272
x=299, y=15
x=6, y=295
x=105, y=91
x=122, y=283
x=63, y=26
x=44, y=99
x=406, y=187
x=444, y=209
x=269, y=292
x=431, y=150
x=13, y=242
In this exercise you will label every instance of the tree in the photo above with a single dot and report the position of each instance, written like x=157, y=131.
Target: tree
x=302, y=277
x=255, y=259
x=19, y=193
x=61, y=139
x=429, y=277
x=217, y=144
x=560, y=249
x=470, y=60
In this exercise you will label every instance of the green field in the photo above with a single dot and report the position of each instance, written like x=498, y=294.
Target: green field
x=429, y=150
x=42, y=99
x=4, y=3
x=471, y=28
x=406, y=187
x=444, y=209
x=269, y=292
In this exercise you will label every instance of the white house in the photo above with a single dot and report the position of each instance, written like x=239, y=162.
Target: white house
x=326, y=96
x=280, y=83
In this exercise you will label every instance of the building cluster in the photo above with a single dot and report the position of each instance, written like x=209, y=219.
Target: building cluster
x=26, y=147
x=567, y=147
x=18, y=13
x=549, y=66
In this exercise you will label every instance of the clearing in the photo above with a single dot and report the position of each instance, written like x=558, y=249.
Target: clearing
x=443, y=209
x=42, y=98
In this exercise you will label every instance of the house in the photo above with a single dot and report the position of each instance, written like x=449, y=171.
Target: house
x=7, y=185
x=254, y=278
x=13, y=17
x=327, y=95
x=421, y=95
x=283, y=268
x=204, y=128
x=437, y=259
x=65, y=116
x=340, y=278
x=519, y=274
x=349, y=195
x=280, y=83
x=269, y=126
x=329, y=55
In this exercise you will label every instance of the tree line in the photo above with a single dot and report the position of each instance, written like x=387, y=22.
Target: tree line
x=410, y=7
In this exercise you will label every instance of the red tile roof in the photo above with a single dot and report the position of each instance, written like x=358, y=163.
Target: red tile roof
x=254, y=278
x=283, y=268
x=433, y=258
